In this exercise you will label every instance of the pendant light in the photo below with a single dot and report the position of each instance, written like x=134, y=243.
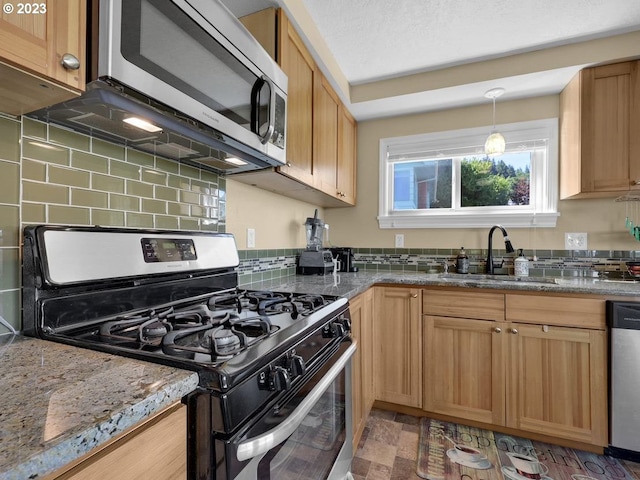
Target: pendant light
x=495, y=143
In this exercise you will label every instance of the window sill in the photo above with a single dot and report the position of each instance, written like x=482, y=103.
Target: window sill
x=475, y=220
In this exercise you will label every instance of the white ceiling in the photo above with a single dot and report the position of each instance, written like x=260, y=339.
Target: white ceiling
x=377, y=40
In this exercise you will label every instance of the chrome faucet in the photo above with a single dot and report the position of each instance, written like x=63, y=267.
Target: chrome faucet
x=507, y=246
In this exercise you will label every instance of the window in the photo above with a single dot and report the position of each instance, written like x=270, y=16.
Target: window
x=444, y=180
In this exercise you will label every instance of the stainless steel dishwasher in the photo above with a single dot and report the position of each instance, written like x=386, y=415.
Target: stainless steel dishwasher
x=623, y=319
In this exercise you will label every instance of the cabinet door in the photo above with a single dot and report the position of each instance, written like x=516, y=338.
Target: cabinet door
x=557, y=382
x=361, y=309
x=37, y=41
x=464, y=368
x=297, y=63
x=398, y=343
x=608, y=118
x=156, y=449
x=346, y=168
x=325, y=135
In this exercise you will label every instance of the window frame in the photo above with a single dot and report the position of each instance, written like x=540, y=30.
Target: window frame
x=543, y=211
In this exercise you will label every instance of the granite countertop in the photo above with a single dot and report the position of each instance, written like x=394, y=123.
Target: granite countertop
x=58, y=402
x=351, y=284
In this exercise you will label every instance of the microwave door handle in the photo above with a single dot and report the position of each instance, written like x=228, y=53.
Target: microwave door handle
x=263, y=443
x=272, y=107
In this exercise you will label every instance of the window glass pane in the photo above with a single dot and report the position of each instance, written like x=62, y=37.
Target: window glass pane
x=501, y=181
x=422, y=184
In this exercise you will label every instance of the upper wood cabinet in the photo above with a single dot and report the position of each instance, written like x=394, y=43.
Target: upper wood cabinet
x=321, y=133
x=33, y=46
x=599, y=125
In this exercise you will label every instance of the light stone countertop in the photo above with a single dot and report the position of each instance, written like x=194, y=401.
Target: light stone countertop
x=351, y=284
x=58, y=402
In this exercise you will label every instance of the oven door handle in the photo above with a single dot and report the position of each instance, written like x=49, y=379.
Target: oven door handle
x=265, y=442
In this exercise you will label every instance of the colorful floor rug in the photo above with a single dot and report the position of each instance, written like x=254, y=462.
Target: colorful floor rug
x=449, y=451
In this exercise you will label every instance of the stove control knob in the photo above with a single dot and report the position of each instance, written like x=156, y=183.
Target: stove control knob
x=296, y=366
x=347, y=323
x=333, y=330
x=279, y=379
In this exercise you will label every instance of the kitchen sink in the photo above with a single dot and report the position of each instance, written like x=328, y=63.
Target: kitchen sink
x=478, y=277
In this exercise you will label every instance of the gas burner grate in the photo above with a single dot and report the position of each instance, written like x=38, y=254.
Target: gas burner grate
x=217, y=342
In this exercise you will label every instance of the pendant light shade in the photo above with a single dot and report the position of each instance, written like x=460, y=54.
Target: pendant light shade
x=495, y=144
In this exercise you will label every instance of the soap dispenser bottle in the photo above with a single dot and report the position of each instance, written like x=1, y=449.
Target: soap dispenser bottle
x=521, y=265
x=462, y=262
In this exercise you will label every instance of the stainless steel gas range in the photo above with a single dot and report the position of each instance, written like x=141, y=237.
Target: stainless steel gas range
x=274, y=392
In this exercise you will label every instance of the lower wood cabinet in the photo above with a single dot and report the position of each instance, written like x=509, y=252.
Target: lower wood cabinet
x=464, y=368
x=155, y=449
x=557, y=382
x=547, y=377
x=397, y=339
x=361, y=308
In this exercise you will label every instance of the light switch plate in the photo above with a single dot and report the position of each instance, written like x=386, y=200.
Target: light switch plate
x=575, y=241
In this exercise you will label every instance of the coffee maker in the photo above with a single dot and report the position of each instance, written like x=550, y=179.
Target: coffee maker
x=345, y=259
x=315, y=260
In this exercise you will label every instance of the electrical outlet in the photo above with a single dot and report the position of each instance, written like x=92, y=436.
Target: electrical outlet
x=251, y=238
x=575, y=241
x=399, y=240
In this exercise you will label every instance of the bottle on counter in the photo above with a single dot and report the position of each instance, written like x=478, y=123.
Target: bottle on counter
x=521, y=265
x=462, y=262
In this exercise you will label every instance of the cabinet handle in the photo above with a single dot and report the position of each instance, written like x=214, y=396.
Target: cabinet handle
x=497, y=330
x=70, y=62
x=514, y=331
x=415, y=295
x=635, y=182
x=288, y=164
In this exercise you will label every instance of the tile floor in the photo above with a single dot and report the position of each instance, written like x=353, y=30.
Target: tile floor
x=388, y=449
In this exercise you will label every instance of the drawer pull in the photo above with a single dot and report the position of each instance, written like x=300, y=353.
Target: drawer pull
x=514, y=331
x=497, y=330
x=415, y=295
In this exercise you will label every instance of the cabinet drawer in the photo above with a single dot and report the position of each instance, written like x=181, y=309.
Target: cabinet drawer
x=547, y=310
x=479, y=305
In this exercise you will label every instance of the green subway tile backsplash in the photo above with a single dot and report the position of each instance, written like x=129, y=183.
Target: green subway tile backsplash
x=107, y=183
x=124, y=202
x=111, y=150
x=46, y=152
x=89, y=198
x=9, y=139
x=69, y=176
x=54, y=175
x=34, y=171
x=88, y=161
x=9, y=226
x=45, y=193
x=70, y=215
x=139, y=189
x=123, y=169
x=9, y=182
x=65, y=137
x=106, y=218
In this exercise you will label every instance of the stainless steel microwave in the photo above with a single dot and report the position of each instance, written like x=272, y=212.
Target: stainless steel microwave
x=183, y=79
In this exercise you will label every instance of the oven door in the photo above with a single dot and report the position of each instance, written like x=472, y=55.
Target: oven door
x=308, y=435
